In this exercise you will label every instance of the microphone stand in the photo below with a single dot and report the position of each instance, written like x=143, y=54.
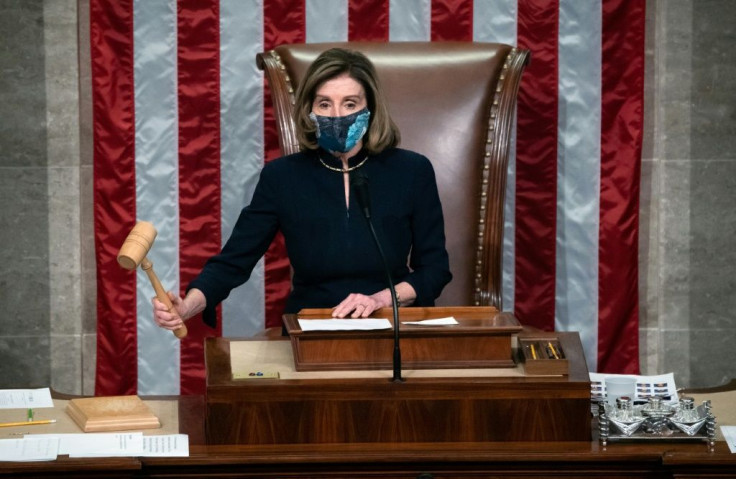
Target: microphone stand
x=395, y=305
x=359, y=182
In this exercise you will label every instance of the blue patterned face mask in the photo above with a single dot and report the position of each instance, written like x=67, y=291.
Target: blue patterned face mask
x=339, y=134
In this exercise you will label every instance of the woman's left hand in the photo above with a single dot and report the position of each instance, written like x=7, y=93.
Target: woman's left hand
x=360, y=305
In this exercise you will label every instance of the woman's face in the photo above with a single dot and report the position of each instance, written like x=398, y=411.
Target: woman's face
x=339, y=96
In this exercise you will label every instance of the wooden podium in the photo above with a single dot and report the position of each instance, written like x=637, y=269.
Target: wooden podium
x=442, y=405
x=481, y=339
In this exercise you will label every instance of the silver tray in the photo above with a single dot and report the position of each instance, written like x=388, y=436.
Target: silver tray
x=655, y=426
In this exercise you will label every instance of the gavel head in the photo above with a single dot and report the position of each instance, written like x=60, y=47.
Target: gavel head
x=137, y=245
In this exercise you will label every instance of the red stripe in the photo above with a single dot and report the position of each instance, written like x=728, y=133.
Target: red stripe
x=536, y=166
x=199, y=164
x=368, y=21
x=113, y=109
x=284, y=22
x=452, y=20
x=621, y=139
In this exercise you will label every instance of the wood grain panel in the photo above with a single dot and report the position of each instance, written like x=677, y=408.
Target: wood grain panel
x=371, y=410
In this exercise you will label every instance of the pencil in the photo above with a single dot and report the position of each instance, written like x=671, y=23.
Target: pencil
x=554, y=351
x=27, y=423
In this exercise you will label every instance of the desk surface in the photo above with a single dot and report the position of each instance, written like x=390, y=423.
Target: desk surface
x=227, y=356
x=276, y=356
x=508, y=459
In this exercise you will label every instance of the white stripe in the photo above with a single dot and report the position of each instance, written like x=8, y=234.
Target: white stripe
x=410, y=20
x=495, y=21
x=156, y=178
x=578, y=174
x=326, y=21
x=508, y=266
x=241, y=123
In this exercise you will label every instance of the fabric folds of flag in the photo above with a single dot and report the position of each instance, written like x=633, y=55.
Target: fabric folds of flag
x=183, y=124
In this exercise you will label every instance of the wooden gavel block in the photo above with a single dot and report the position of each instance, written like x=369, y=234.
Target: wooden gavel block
x=133, y=254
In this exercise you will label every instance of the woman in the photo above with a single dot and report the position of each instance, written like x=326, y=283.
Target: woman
x=343, y=127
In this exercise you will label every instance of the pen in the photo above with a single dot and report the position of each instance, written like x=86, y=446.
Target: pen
x=27, y=423
x=552, y=348
x=534, y=351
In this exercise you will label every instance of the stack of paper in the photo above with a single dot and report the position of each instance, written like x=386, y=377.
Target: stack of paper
x=46, y=447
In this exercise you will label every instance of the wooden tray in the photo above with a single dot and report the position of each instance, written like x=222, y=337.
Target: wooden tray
x=543, y=355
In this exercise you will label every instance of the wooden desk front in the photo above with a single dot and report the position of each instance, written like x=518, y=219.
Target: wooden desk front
x=400, y=460
x=376, y=410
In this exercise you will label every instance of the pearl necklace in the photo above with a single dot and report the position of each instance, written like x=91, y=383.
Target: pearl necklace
x=341, y=170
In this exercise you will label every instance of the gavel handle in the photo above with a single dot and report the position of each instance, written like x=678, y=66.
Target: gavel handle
x=147, y=266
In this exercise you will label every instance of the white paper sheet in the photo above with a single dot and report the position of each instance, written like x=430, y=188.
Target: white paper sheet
x=433, y=322
x=729, y=434
x=102, y=444
x=344, y=324
x=662, y=385
x=119, y=444
x=25, y=398
x=166, y=446
x=29, y=449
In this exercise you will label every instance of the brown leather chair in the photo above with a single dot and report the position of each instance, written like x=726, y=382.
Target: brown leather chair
x=454, y=102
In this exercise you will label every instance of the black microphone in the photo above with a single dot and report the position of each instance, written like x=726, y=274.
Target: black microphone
x=359, y=184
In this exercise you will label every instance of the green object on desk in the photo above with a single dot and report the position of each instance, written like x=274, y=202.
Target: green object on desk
x=30, y=414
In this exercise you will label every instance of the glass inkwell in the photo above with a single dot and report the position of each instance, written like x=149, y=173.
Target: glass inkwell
x=688, y=418
x=625, y=417
x=657, y=414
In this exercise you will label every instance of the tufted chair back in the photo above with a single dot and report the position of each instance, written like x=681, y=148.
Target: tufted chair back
x=455, y=103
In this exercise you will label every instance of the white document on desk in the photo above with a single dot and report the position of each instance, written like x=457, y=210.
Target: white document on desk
x=662, y=385
x=729, y=434
x=366, y=324
x=25, y=398
x=29, y=449
x=449, y=321
x=120, y=444
x=168, y=445
x=104, y=444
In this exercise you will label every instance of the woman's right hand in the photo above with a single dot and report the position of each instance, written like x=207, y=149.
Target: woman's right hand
x=166, y=319
x=183, y=309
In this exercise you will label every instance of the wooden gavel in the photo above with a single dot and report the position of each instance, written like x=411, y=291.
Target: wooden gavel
x=133, y=253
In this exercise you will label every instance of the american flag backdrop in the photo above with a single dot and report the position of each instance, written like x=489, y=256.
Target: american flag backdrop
x=183, y=125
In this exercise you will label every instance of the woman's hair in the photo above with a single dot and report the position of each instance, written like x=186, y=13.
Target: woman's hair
x=382, y=131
